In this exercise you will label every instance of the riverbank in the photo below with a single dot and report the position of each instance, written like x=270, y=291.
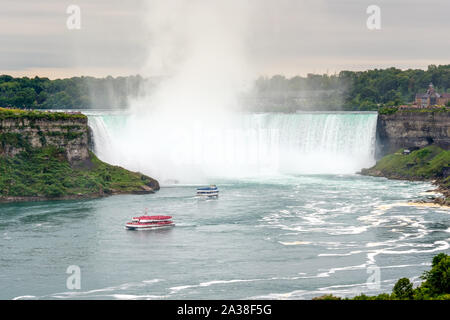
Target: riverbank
x=431, y=163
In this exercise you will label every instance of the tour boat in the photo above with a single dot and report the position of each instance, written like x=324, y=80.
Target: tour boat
x=147, y=222
x=210, y=191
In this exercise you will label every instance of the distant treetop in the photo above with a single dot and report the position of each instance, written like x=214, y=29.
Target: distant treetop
x=347, y=90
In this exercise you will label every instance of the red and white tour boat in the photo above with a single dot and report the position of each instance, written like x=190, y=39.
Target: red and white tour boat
x=147, y=222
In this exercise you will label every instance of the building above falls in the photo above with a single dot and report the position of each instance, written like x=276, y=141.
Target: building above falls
x=431, y=98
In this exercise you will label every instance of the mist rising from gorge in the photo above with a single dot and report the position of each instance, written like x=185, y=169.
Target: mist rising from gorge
x=198, y=48
x=188, y=126
x=200, y=57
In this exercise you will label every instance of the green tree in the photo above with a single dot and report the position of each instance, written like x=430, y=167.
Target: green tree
x=25, y=98
x=438, y=278
x=403, y=289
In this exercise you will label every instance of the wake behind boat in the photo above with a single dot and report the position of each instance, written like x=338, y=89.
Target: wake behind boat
x=211, y=191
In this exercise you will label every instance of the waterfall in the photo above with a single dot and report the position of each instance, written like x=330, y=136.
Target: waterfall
x=246, y=145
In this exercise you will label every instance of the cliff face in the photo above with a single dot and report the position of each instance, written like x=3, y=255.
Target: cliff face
x=71, y=134
x=45, y=156
x=406, y=129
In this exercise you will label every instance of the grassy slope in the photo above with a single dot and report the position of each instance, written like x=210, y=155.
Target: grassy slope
x=46, y=173
x=423, y=164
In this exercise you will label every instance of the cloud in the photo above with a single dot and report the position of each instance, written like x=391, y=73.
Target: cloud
x=285, y=36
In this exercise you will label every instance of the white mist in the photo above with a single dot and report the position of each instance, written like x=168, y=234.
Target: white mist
x=189, y=129
x=199, y=49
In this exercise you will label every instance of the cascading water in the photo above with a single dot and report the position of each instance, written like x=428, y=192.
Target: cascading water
x=245, y=145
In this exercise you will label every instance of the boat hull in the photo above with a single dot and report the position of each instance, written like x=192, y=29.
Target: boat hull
x=205, y=193
x=208, y=195
x=147, y=229
x=148, y=226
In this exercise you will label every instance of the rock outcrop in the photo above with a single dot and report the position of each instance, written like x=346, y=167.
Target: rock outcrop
x=412, y=129
x=46, y=156
x=71, y=134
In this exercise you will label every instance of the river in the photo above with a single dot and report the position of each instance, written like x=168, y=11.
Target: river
x=298, y=226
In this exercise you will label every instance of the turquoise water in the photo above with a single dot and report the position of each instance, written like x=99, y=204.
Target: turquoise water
x=284, y=237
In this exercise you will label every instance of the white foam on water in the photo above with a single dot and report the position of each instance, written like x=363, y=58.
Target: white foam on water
x=334, y=270
x=136, y=297
x=329, y=230
x=24, y=297
x=294, y=243
x=100, y=292
x=177, y=289
x=345, y=290
x=341, y=290
x=339, y=254
x=279, y=296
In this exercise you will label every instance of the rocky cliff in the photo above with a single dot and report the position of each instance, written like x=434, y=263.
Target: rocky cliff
x=412, y=129
x=68, y=132
x=46, y=156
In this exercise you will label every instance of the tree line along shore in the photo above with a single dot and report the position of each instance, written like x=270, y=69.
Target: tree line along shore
x=347, y=90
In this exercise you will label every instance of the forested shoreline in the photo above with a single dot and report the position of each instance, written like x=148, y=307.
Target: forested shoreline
x=348, y=90
x=70, y=93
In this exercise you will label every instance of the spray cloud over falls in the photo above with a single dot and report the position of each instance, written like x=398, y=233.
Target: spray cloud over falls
x=198, y=47
x=198, y=50
x=189, y=128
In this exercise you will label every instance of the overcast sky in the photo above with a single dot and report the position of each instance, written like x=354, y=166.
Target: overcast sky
x=274, y=36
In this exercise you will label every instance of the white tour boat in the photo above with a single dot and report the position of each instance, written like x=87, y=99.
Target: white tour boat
x=211, y=191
